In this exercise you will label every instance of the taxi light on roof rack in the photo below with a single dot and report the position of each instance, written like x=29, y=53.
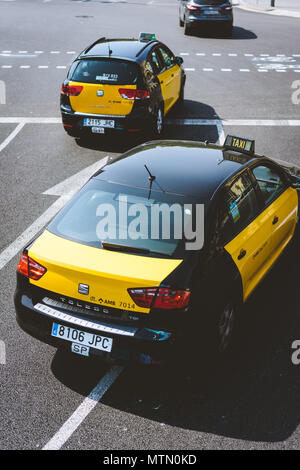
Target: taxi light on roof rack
x=239, y=144
x=147, y=36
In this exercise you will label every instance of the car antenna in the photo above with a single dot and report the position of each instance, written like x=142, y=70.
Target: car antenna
x=109, y=50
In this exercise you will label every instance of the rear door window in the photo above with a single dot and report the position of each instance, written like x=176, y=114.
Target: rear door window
x=105, y=71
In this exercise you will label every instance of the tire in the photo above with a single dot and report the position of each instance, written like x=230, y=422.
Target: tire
x=227, y=31
x=181, y=23
x=180, y=101
x=158, y=122
x=187, y=28
x=222, y=330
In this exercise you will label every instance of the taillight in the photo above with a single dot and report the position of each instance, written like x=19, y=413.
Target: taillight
x=30, y=268
x=192, y=7
x=129, y=94
x=71, y=90
x=226, y=7
x=160, y=297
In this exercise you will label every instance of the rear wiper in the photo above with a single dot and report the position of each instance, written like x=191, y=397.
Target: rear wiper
x=132, y=249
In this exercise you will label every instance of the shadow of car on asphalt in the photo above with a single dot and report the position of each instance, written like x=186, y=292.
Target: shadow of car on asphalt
x=238, y=33
x=119, y=142
x=253, y=397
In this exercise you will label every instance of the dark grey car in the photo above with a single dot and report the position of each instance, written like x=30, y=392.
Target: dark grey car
x=195, y=13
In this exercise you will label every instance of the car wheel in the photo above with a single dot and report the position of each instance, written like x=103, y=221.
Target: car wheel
x=228, y=30
x=181, y=23
x=187, y=28
x=225, y=328
x=158, y=124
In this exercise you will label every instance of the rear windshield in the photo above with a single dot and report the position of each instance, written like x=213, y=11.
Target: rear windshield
x=119, y=214
x=105, y=71
x=210, y=2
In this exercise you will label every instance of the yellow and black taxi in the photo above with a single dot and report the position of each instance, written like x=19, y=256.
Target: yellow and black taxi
x=121, y=84
x=140, y=297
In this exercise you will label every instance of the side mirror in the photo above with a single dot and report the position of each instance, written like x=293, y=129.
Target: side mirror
x=295, y=182
x=178, y=60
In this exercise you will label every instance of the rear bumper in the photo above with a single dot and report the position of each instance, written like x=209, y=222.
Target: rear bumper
x=138, y=120
x=194, y=20
x=145, y=345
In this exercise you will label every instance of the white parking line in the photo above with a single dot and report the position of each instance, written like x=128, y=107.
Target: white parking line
x=208, y=70
x=83, y=410
x=12, y=136
x=226, y=70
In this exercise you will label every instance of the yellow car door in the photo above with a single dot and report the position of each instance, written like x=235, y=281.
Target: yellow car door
x=170, y=78
x=283, y=200
x=248, y=232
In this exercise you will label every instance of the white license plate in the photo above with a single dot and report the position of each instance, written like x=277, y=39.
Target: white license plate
x=98, y=130
x=91, y=122
x=81, y=337
x=211, y=12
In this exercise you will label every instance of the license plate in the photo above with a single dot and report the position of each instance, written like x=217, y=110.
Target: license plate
x=81, y=337
x=90, y=122
x=98, y=130
x=211, y=12
x=80, y=349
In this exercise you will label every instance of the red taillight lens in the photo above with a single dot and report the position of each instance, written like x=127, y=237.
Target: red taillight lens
x=192, y=7
x=129, y=94
x=160, y=297
x=30, y=268
x=71, y=90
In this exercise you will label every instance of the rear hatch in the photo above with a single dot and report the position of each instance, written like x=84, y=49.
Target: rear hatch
x=107, y=273
x=101, y=80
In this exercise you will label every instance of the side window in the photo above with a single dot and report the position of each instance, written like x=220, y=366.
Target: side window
x=154, y=62
x=239, y=210
x=270, y=182
x=167, y=57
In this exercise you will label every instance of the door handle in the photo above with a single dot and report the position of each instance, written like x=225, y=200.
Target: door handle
x=275, y=220
x=242, y=254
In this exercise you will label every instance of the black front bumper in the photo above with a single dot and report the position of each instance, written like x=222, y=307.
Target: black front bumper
x=140, y=119
x=146, y=346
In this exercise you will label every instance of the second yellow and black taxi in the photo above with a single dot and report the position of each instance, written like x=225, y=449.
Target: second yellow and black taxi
x=147, y=291
x=121, y=85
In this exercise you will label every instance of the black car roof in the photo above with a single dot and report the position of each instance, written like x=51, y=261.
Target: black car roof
x=180, y=167
x=130, y=49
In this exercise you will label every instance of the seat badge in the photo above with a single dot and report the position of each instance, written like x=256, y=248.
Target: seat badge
x=100, y=92
x=83, y=289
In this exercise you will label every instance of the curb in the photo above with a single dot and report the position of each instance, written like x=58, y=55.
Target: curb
x=269, y=11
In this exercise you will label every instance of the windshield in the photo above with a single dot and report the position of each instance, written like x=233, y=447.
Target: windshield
x=151, y=221
x=106, y=71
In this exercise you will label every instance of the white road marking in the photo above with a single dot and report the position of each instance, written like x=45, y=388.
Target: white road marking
x=6, y=52
x=61, y=66
x=248, y=55
x=187, y=69
x=244, y=70
x=12, y=136
x=71, y=52
x=262, y=70
x=25, y=66
x=234, y=122
x=207, y=70
x=23, y=52
x=184, y=53
x=217, y=54
x=43, y=66
x=65, y=192
x=6, y=66
x=79, y=415
x=232, y=55
x=54, y=52
x=226, y=70
x=280, y=70
x=38, y=52
x=200, y=53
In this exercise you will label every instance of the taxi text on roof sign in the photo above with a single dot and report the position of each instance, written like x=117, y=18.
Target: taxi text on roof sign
x=237, y=143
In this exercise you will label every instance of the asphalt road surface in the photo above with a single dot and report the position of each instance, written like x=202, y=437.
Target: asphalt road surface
x=242, y=85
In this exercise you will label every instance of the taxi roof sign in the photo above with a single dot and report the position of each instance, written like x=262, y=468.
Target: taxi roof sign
x=240, y=144
x=147, y=36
